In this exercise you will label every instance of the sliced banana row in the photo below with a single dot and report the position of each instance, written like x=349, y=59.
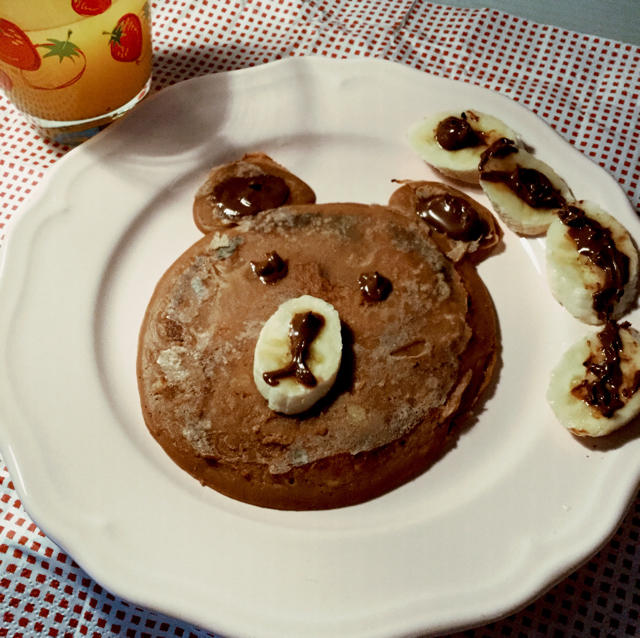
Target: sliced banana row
x=298, y=354
x=477, y=148
x=592, y=269
x=592, y=261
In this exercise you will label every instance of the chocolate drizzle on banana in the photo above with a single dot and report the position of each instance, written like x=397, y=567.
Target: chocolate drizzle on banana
x=454, y=133
x=530, y=185
x=595, y=242
x=304, y=328
x=602, y=389
x=451, y=142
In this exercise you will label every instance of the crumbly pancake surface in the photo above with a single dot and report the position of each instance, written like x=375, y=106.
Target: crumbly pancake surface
x=407, y=360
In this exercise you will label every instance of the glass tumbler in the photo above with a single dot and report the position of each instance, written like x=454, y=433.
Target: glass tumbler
x=73, y=66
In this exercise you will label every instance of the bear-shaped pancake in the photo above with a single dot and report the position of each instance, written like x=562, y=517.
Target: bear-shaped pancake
x=416, y=354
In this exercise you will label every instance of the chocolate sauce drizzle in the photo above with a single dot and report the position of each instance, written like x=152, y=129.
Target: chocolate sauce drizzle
x=271, y=270
x=603, y=390
x=454, y=133
x=500, y=149
x=245, y=196
x=304, y=328
x=529, y=184
x=374, y=286
x=453, y=216
x=595, y=242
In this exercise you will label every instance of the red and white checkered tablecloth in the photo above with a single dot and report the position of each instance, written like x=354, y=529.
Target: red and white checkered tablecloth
x=586, y=87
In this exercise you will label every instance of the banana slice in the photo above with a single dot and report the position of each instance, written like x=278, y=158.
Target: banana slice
x=592, y=263
x=593, y=389
x=298, y=354
x=523, y=190
x=452, y=142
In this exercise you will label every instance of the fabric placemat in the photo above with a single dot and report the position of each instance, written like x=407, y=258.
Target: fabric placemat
x=586, y=87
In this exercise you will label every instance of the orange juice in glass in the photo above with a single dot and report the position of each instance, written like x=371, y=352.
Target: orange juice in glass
x=73, y=66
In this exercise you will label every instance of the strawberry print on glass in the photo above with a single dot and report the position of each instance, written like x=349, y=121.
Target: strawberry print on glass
x=61, y=62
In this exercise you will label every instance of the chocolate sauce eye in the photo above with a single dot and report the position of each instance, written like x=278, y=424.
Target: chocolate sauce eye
x=244, y=196
x=271, y=270
x=374, y=286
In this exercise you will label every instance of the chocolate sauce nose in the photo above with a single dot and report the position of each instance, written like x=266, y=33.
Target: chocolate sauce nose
x=244, y=196
x=454, y=133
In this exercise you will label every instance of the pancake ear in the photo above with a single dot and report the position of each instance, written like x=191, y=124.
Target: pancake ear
x=240, y=190
x=461, y=227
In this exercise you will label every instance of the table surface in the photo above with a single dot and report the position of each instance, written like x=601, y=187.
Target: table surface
x=614, y=19
x=579, y=84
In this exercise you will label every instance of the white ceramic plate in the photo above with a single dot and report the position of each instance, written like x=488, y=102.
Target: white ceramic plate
x=514, y=507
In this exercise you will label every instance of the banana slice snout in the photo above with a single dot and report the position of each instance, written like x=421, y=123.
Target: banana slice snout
x=594, y=388
x=298, y=354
